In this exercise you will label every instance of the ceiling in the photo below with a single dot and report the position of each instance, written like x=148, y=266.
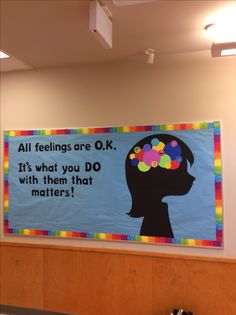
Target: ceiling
x=49, y=33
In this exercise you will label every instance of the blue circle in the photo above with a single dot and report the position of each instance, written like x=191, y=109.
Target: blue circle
x=134, y=162
x=178, y=159
x=173, y=152
x=155, y=142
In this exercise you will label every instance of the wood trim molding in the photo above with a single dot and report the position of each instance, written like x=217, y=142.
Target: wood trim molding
x=119, y=251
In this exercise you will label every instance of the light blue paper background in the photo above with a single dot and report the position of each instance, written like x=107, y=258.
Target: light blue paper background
x=103, y=206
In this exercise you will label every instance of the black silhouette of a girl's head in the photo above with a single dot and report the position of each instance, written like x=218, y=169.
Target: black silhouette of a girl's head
x=156, y=167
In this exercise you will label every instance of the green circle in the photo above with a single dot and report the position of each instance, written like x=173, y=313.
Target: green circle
x=137, y=149
x=143, y=167
x=165, y=159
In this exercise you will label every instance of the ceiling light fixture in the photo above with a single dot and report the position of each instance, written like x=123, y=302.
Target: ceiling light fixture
x=223, y=49
x=150, y=52
x=224, y=39
x=3, y=55
x=121, y=3
x=100, y=24
x=221, y=33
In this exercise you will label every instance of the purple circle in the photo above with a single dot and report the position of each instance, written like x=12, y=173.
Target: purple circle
x=147, y=147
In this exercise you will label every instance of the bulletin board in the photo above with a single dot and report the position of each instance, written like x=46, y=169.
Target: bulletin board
x=158, y=184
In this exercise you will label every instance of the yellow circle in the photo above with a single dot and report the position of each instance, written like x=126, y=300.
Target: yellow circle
x=168, y=165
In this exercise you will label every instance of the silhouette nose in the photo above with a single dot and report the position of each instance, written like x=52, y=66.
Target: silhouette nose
x=192, y=178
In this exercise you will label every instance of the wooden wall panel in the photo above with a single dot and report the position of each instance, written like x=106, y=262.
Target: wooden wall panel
x=60, y=280
x=22, y=276
x=89, y=283
x=205, y=287
x=83, y=281
x=137, y=285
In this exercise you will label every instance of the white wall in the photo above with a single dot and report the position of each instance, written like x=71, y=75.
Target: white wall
x=177, y=89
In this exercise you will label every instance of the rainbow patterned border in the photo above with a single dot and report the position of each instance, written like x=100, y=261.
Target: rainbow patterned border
x=102, y=236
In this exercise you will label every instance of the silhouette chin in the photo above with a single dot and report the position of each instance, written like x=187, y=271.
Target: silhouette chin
x=135, y=213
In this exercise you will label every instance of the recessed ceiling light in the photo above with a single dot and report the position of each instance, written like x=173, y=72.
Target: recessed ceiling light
x=3, y=55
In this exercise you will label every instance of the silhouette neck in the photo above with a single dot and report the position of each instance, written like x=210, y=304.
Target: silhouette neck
x=156, y=222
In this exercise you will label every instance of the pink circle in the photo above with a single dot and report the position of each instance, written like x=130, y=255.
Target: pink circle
x=151, y=156
x=174, y=143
